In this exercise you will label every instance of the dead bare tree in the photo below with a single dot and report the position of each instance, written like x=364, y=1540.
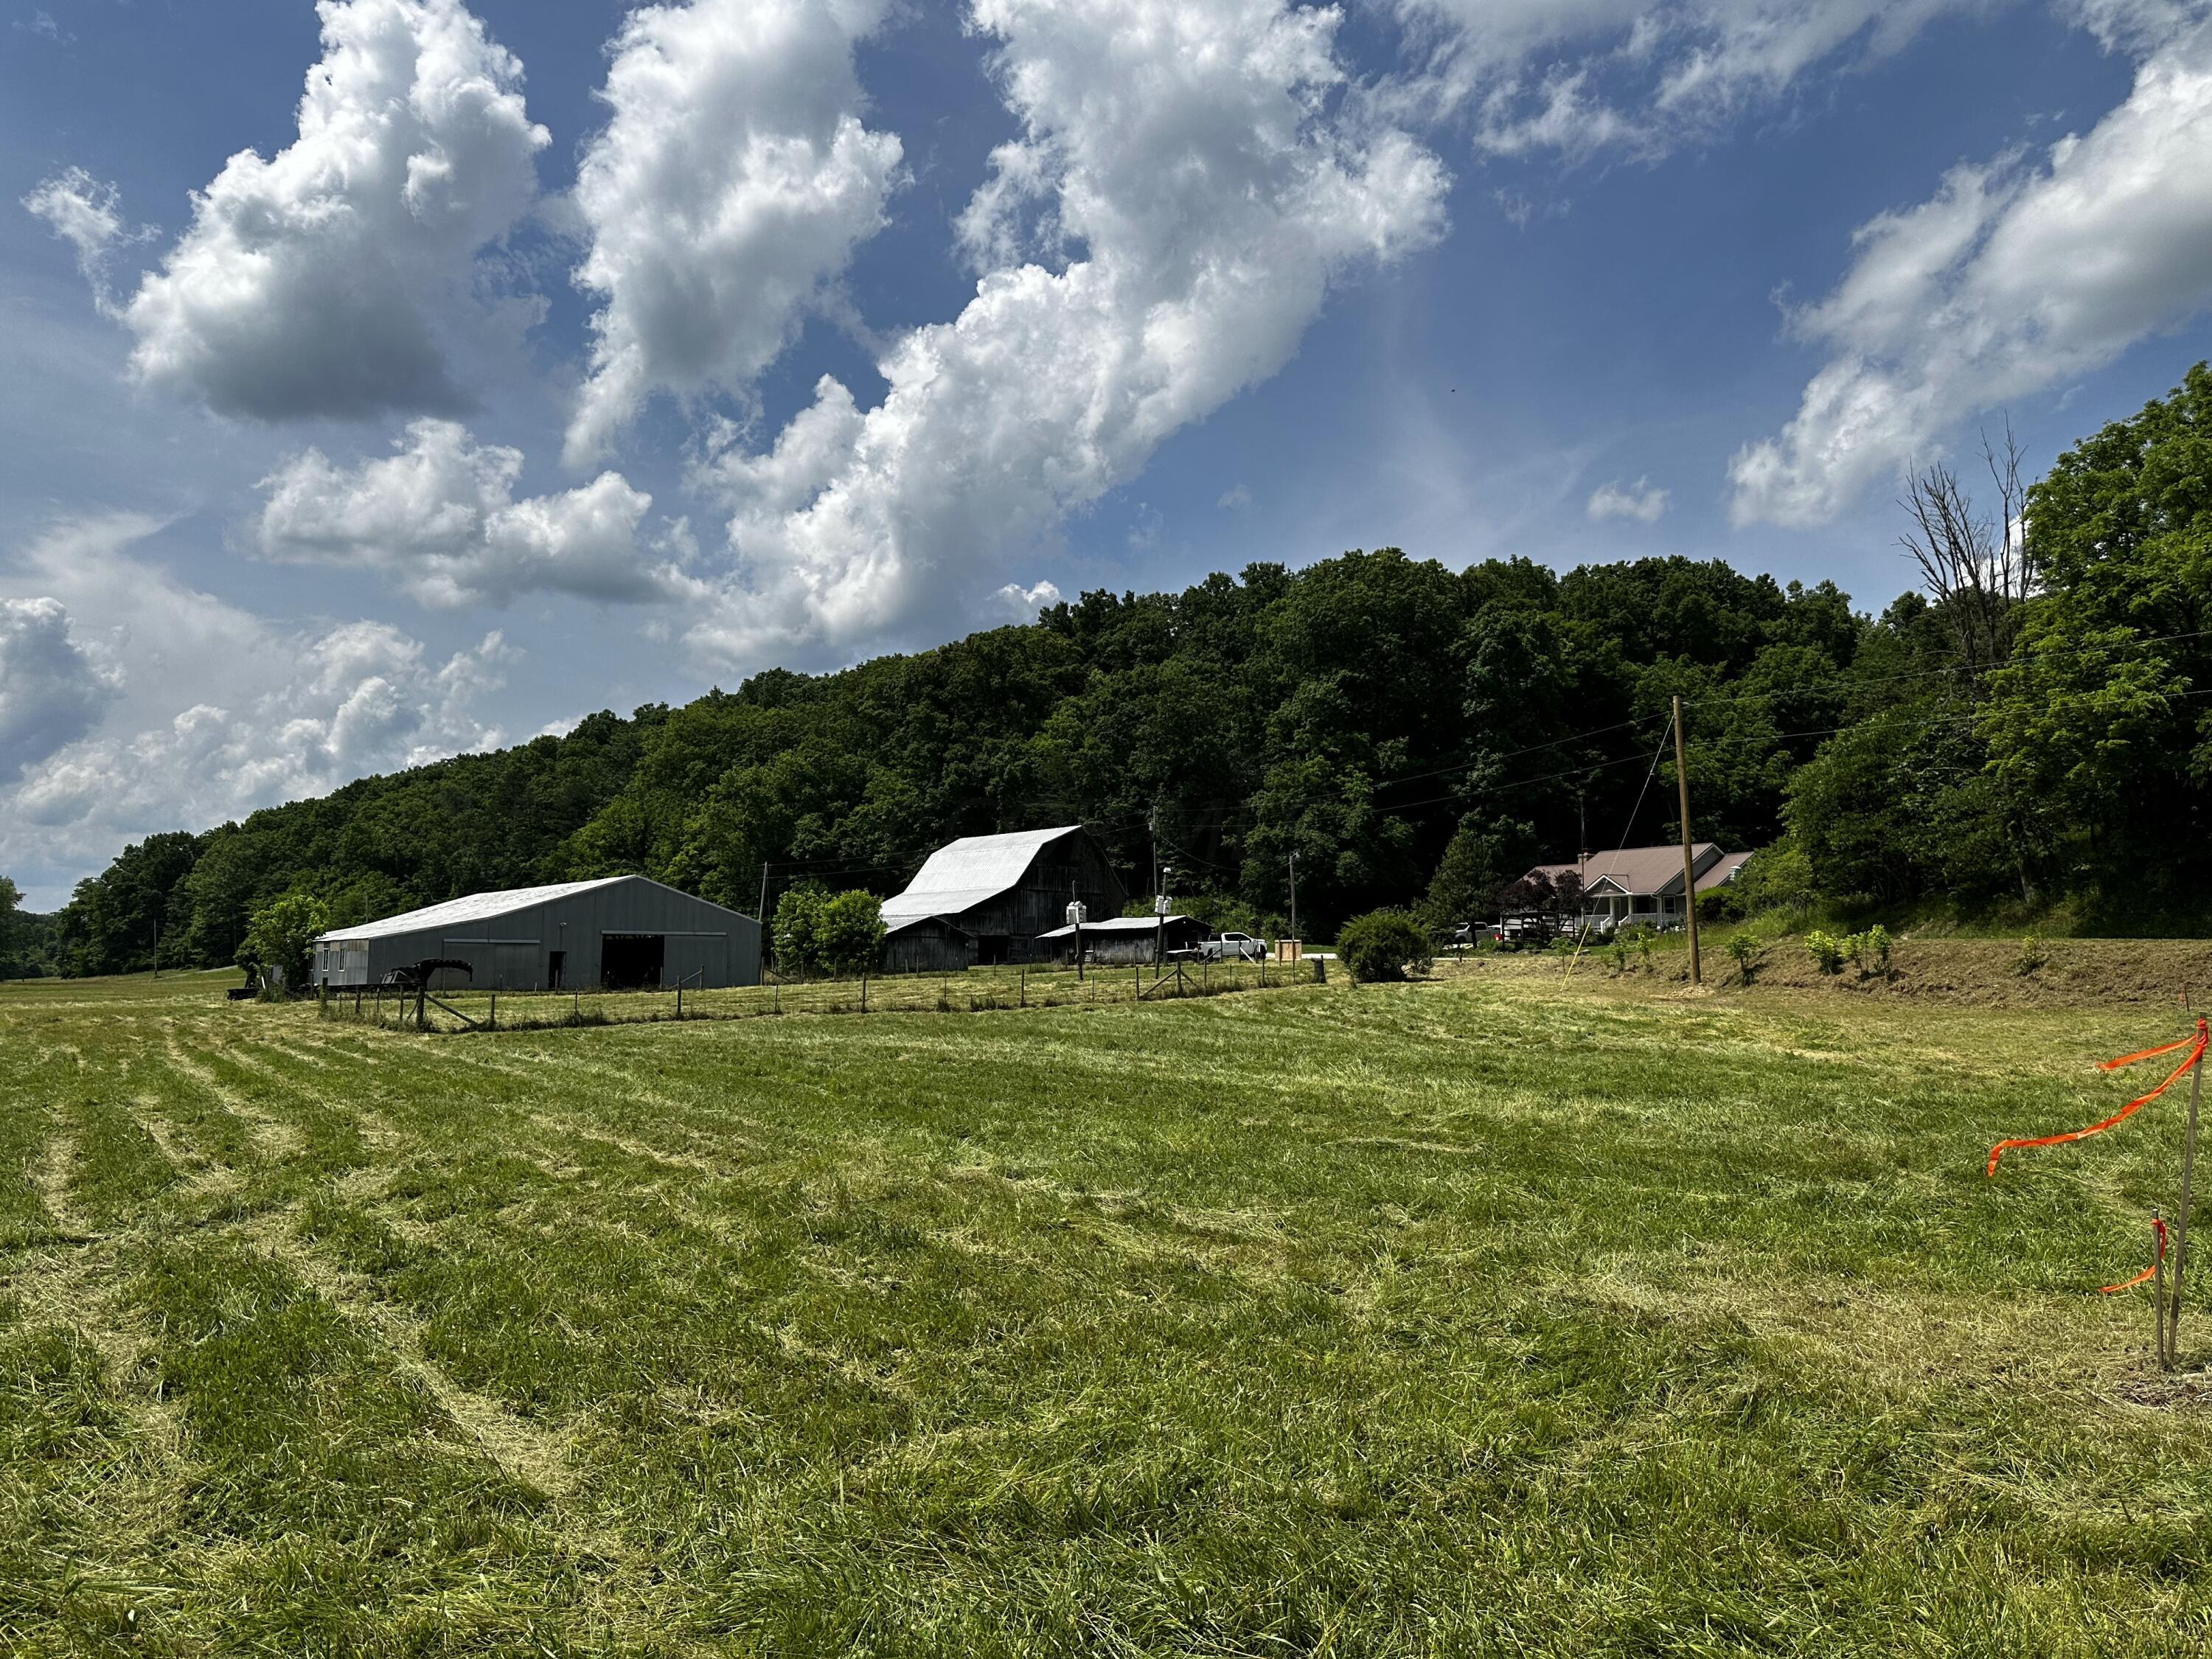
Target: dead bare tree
x=1978, y=571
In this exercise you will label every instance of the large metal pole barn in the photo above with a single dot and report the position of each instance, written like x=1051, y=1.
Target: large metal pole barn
x=623, y=933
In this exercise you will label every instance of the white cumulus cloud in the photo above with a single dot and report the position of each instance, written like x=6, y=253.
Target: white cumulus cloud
x=1021, y=605
x=733, y=180
x=2014, y=276
x=1187, y=187
x=441, y=518
x=322, y=280
x=197, y=710
x=1638, y=501
x=353, y=700
x=52, y=692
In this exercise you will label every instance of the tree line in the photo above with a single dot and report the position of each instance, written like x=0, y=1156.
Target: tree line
x=2030, y=729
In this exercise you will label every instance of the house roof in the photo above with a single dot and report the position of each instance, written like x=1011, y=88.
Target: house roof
x=1723, y=870
x=970, y=871
x=1122, y=925
x=1637, y=871
x=474, y=907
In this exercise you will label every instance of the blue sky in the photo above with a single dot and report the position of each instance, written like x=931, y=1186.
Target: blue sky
x=554, y=358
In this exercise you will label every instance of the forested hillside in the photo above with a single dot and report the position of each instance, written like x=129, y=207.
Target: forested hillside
x=2037, y=731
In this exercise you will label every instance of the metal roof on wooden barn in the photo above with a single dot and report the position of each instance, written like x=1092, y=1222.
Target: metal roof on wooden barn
x=972, y=871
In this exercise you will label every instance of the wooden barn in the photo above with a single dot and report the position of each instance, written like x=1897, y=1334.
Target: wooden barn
x=1005, y=890
x=925, y=944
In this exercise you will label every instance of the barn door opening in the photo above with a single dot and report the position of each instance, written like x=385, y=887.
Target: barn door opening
x=632, y=961
x=556, y=962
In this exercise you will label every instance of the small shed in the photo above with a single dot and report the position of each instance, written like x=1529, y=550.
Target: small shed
x=925, y=944
x=1125, y=939
x=621, y=932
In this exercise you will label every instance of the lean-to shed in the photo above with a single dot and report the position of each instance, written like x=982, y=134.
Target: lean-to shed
x=1006, y=889
x=925, y=944
x=619, y=932
x=1125, y=939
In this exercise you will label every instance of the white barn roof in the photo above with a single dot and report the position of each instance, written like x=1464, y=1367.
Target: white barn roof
x=475, y=907
x=970, y=871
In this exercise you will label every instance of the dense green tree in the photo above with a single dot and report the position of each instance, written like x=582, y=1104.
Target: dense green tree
x=1483, y=858
x=280, y=940
x=796, y=937
x=2097, y=729
x=114, y=919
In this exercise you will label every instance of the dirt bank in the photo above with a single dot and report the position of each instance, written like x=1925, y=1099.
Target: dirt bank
x=2075, y=973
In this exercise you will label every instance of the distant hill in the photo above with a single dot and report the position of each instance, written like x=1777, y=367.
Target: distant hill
x=1409, y=734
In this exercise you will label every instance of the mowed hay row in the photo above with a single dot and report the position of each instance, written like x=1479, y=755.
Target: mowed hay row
x=1485, y=1313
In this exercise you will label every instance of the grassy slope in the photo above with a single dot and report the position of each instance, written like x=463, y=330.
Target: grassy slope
x=1473, y=1315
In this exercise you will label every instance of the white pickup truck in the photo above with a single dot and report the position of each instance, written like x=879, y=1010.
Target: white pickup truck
x=1232, y=947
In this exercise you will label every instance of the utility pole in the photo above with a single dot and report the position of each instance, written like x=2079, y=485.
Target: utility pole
x=1689, y=858
x=1294, y=896
x=1581, y=857
x=1160, y=922
x=1075, y=920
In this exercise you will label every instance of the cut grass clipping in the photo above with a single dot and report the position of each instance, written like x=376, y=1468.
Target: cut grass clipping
x=1482, y=1315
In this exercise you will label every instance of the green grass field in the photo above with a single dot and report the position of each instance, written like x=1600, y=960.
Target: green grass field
x=1481, y=1316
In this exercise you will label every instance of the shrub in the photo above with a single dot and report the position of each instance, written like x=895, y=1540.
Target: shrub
x=1826, y=949
x=1619, y=953
x=1383, y=944
x=848, y=932
x=818, y=934
x=1776, y=878
x=1875, y=944
x=1723, y=903
x=1745, y=950
x=2032, y=954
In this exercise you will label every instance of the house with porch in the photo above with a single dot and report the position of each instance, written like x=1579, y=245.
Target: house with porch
x=1642, y=883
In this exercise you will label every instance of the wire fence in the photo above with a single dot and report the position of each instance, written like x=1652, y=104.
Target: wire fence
x=973, y=990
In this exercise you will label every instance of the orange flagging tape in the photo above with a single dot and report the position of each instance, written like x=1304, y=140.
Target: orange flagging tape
x=2195, y=1046
x=2158, y=1225
x=2143, y=1054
